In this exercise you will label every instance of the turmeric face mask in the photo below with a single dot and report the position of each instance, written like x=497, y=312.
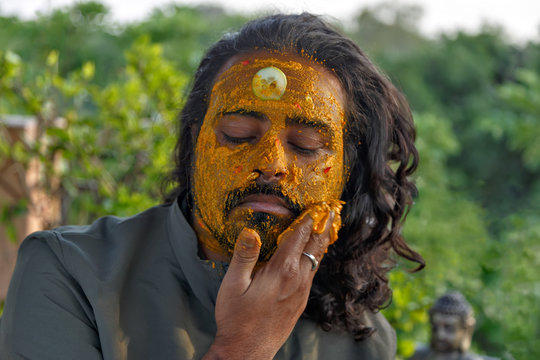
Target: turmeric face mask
x=270, y=146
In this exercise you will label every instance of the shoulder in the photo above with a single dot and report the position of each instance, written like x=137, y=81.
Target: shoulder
x=310, y=341
x=95, y=248
x=384, y=336
x=111, y=227
x=421, y=353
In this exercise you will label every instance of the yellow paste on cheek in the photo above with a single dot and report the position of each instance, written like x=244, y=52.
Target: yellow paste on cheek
x=221, y=168
x=320, y=213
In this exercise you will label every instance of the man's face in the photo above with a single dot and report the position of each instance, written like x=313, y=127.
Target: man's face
x=266, y=152
x=447, y=332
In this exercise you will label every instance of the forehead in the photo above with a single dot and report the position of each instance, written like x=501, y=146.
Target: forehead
x=440, y=318
x=310, y=86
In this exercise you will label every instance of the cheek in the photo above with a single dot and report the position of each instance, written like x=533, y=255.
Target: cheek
x=219, y=169
x=318, y=181
x=456, y=336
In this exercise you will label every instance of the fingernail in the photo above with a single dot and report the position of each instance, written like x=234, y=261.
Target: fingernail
x=249, y=238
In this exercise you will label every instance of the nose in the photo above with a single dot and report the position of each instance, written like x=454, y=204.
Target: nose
x=441, y=334
x=273, y=164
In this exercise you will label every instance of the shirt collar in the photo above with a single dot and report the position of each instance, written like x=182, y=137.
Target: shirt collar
x=203, y=276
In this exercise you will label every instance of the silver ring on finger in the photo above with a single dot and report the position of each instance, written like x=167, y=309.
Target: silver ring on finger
x=314, y=262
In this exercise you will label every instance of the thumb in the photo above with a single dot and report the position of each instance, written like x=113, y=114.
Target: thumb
x=245, y=256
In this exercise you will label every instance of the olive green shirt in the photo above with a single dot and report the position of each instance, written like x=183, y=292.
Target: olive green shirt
x=136, y=288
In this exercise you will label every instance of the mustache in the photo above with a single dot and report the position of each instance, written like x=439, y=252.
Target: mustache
x=236, y=196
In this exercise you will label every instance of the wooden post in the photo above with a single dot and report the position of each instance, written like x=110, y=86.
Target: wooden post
x=22, y=182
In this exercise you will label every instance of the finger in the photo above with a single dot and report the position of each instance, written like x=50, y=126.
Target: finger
x=294, y=239
x=319, y=242
x=245, y=256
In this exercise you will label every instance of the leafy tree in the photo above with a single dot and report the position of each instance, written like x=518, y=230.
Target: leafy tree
x=490, y=180
x=446, y=228
x=84, y=32
x=185, y=32
x=388, y=30
x=114, y=142
x=519, y=118
x=81, y=33
x=516, y=294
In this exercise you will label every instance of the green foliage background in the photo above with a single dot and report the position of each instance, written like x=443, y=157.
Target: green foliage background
x=476, y=99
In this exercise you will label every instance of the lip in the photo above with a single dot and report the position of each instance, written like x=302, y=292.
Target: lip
x=441, y=345
x=266, y=203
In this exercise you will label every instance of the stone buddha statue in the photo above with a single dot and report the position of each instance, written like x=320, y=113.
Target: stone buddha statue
x=452, y=327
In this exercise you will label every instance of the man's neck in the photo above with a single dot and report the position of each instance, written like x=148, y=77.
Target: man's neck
x=209, y=247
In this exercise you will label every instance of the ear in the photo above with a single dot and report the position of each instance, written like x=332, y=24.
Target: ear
x=469, y=324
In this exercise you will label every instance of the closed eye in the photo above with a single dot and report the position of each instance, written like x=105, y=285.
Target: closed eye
x=302, y=150
x=238, y=140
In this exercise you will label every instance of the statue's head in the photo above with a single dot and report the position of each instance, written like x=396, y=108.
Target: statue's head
x=452, y=324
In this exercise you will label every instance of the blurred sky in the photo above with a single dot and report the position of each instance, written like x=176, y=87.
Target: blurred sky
x=520, y=18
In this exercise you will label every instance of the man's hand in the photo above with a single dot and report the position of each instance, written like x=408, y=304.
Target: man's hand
x=255, y=313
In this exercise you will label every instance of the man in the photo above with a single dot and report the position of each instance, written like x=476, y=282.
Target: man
x=287, y=123
x=452, y=327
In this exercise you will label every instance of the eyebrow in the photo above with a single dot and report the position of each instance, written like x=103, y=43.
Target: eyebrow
x=296, y=120
x=314, y=123
x=254, y=114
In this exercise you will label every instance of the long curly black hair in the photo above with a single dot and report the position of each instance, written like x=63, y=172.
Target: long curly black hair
x=379, y=154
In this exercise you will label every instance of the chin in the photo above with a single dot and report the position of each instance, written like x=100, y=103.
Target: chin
x=442, y=347
x=268, y=226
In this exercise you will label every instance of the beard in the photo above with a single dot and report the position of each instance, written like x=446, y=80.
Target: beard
x=268, y=226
